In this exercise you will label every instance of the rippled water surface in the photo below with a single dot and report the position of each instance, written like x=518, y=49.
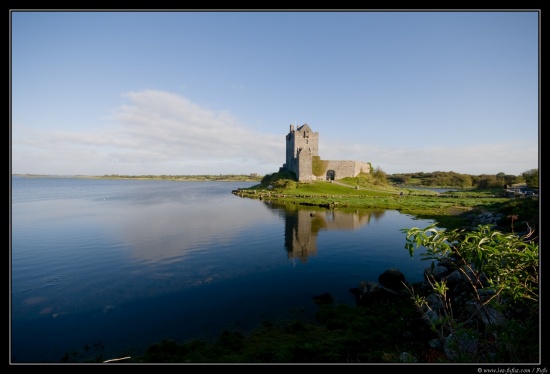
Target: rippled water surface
x=112, y=266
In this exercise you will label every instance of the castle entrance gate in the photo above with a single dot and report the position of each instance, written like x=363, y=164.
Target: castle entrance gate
x=330, y=175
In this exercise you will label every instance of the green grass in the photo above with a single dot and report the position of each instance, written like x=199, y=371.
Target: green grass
x=449, y=209
x=318, y=188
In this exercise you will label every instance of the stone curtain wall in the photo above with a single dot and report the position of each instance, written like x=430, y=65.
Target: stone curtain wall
x=362, y=167
x=345, y=169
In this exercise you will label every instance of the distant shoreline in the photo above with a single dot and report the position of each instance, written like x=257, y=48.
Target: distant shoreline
x=181, y=178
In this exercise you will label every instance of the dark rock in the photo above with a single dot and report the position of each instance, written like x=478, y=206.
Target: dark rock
x=392, y=279
x=371, y=292
x=437, y=273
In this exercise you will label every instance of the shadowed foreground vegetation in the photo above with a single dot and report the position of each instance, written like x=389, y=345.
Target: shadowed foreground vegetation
x=340, y=334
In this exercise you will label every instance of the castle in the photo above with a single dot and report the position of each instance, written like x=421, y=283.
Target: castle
x=302, y=157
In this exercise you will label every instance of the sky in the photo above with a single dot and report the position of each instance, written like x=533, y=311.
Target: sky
x=208, y=93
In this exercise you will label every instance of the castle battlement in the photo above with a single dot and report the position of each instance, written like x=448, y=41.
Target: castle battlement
x=302, y=157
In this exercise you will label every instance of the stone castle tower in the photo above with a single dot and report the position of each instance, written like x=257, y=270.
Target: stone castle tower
x=302, y=151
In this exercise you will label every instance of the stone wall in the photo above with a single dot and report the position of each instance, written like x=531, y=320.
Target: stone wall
x=344, y=169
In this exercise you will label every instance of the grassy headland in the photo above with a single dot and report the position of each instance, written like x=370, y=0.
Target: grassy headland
x=452, y=209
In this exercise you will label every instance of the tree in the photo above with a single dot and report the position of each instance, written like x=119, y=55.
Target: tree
x=531, y=177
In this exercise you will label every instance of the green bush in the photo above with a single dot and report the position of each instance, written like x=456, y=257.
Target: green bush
x=284, y=184
x=503, y=271
x=270, y=179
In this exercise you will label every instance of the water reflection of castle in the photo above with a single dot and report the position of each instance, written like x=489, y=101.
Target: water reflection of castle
x=302, y=226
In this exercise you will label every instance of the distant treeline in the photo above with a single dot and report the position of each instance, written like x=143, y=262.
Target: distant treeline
x=452, y=179
x=220, y=177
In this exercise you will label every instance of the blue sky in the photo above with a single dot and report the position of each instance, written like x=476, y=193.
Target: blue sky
x=182, y=93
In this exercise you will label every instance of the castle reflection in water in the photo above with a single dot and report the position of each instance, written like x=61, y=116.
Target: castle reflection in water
x=302, y=225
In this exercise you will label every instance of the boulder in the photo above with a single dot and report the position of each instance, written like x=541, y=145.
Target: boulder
x=392, y=279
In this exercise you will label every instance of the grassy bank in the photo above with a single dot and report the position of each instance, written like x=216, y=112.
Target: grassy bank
x=453, y=209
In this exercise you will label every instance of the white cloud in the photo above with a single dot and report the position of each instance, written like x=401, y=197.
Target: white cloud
x=155, y=133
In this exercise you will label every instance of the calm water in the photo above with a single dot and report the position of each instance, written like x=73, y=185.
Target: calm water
x=111, y=266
